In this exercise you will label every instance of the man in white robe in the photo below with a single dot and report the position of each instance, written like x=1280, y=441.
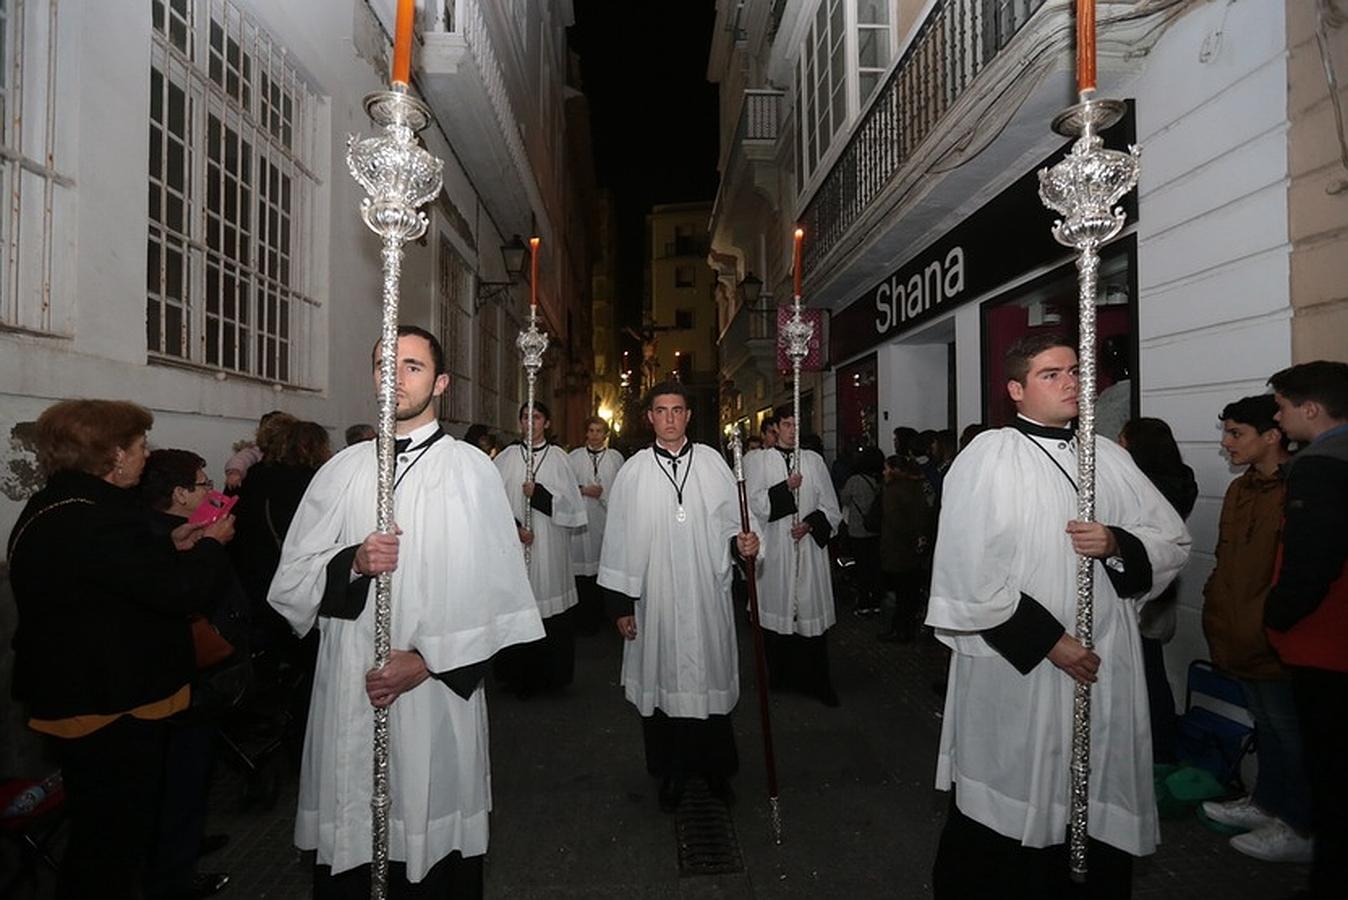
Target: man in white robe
x=673, y=535
x=1003, y=598
x=594, y=465
x=459, y=597
x=795, y=592
x=557, y=509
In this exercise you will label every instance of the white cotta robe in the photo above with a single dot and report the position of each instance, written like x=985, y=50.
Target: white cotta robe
x=684, y=660
x=459, y=596
x=1006, y=738
x=592, y=468
x=793, y=598
x=549, y=567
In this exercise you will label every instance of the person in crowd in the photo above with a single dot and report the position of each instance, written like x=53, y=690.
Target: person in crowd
x=480, y=436
x=248, y=453
x=860, y=494
x=172, y=486
x=942, y=451
x=673, y=534
x=908, y=525
x=558, y=508
x=844, y=464
x=908, y=445
x=1152, y=446
x=357, y=433
x=970, y=432
x=460, y=595
x=795, y=592
x=594, y=465
x=1114, y=405
x=753, y=443
x=103, y=652
x=767, y=432
x=1277, y=813
x=1306, y=610
x=268, y=501
x=1003, y=597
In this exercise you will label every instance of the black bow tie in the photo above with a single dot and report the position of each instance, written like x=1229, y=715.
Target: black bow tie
x=1045, y=431
x=661, y=451
x=401, y=444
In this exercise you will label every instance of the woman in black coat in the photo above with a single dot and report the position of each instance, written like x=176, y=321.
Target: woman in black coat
x=103, y=651
x=1152, y=445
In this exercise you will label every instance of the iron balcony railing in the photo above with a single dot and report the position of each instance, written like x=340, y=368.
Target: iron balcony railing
x=958, y=39
x=759, y=122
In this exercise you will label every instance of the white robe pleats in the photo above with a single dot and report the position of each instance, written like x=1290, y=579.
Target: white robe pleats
x=550, y=556
x=684, y=660
x=459, y=596
x=592, y=468
x=795, y=591
x=1006, y=737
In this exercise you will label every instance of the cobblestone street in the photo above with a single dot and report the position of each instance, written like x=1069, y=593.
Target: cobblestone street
x=576, y=817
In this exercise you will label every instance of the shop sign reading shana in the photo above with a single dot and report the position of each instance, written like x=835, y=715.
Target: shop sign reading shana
x=896, y=301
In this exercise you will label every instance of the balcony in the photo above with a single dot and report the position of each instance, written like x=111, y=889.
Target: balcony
x=748, y=163
x=956, y=43
x=750, y=339
x=964, y=111
x=462, y=76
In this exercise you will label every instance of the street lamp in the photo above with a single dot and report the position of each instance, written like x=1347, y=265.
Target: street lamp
x=513, y=256
x=752, y=287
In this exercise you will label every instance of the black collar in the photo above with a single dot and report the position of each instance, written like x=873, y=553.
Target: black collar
x=1025, y=426
x=661, y=451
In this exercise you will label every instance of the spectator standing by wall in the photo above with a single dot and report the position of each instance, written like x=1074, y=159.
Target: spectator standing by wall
x=1307, y=608
x=1277, y=813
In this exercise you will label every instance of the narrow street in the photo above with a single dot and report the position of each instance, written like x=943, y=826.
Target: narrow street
x=576, y=816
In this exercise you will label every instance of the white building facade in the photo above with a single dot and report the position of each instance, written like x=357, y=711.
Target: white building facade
x=905, y=137
x=183, y=231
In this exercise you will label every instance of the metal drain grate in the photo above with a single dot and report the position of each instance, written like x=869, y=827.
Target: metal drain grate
x=705, y=834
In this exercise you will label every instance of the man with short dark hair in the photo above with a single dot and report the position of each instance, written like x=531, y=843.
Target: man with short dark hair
x=673, y=536
x=1277, y=813
x=1003, y=597
x=594, y=465
x=550, y=491
x=459, y=596
x=796, y=589
x=767, y=431
x=1307, y=608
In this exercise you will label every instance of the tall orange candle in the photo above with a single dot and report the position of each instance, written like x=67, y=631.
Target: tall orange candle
x=795, y=259
x=402, y=42
x=1085, y=45
x=533, y=271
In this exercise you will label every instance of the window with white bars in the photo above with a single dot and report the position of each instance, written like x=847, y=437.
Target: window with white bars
x=233, y=133
x=39, y=201
x=453, y=327
x=848, y=47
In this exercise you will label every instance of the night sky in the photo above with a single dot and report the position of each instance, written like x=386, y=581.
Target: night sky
x=644, y=70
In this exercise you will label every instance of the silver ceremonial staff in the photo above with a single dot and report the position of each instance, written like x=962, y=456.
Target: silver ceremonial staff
x=398, y=176
x=795, y=339
x=1084, y=188
x=532, y=343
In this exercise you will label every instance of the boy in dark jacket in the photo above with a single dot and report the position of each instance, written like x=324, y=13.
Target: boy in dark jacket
x=1307, y=608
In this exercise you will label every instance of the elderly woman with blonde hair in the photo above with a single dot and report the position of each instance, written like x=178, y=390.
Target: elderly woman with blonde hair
x=103, y=650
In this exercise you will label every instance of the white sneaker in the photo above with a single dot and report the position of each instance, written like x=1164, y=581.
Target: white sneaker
x=1242, y=813
x=1274, y=843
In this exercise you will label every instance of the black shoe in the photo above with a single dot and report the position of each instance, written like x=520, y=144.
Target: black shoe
x=211, y=843
x=671, y=793
x=720, y=788
x=208, y=884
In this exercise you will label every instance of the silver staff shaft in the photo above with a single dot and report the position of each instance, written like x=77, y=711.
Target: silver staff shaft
x=398, y=176
x=1084, y=188
x=795, y=338
x=532, y=344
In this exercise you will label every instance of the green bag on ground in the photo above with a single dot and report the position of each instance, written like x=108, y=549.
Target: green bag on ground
x=1179, y=789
